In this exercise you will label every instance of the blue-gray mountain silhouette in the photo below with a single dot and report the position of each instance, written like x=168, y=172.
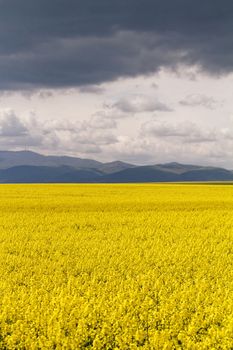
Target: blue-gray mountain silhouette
x=31, y=167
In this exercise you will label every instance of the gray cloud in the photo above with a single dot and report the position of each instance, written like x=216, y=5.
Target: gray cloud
x=67, y=43
x=92, y=89
x=195, y=100
x=44, y=94
x=140, y=103
x=125, y=108
x=188, y=132
x=11, y=125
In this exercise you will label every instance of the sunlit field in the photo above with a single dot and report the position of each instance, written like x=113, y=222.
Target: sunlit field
x=116, y=266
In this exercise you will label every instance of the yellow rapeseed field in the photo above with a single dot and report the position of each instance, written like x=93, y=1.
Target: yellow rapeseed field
x=116, y=266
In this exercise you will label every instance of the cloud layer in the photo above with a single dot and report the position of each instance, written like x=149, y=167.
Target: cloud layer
x=66, y=43
x=99, y=76
x=156, y=140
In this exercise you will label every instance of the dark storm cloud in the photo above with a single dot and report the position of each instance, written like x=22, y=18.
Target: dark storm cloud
x=65, y=43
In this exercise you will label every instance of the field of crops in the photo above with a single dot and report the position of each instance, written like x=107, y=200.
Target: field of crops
x=116, y=267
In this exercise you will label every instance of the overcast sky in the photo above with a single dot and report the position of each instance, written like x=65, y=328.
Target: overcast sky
x=143, y=81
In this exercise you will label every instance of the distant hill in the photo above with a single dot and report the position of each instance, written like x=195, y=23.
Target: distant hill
x=178, y=168
x=140, y=174
x=208, y=174
x=31, y=167
x=10, y=159
x=44, y=174
x=113, y=167
x=155, y=174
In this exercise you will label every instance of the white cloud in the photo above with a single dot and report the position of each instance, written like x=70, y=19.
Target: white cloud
x=154, y=142
x=125, y=122
x=64, y=136
x=100, y=120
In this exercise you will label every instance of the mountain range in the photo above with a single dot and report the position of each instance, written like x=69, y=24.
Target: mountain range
x=31, y=167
